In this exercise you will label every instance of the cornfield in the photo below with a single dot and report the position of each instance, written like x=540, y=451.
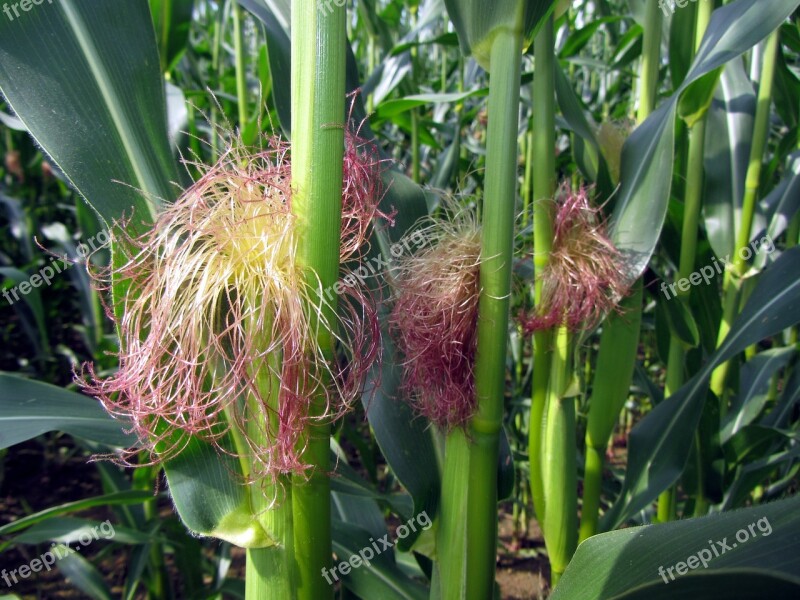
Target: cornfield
x=400, y=299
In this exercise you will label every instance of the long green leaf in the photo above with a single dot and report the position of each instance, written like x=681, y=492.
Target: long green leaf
x=83, y=76
x=382, y=578
x=762, y=545
x=31, y=408
x=116, y=499
x=660, y=444
x=648, y=154
x=83, y=575
x=727, y=154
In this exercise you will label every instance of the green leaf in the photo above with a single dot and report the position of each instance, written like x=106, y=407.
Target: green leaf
x=276, y=17
x=82, y=574
x=580, y=37
x=648, y=154
x=84, y=79
x=476, y=22
x=209, y=492
x=115, y=499
x=393, y=108
x=729, y=128
x=382, y=578
x=778, y=208
x=31, y=408
x=760, y=543
x=659, y=445
x=172, y=20
x=680, y=321
x=407, y=441
x=787, y=89
x=69, y=530
x=756, y=377
x=588, y=154
x=696, y=99
x=35, y=328
x=681, y=34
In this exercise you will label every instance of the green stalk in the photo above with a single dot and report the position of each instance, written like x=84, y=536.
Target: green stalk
x=616, y=360
x=651, y=61
x=467, y=568
x=269, y=573
x=693, y=202
x=495, y=276
x=544, y=187
x=241, y=74
x=318, y=108
x=558, y=466
x=215, y=52
x=731, y=283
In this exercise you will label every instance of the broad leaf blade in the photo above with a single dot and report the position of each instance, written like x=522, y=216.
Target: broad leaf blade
x=84, y=78
x=211, y=497
x=647, y=157
x=729, y=127
x=31, y=408
x=616, y=563
x=660, y=444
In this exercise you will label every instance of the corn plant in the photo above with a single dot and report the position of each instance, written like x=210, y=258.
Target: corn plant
x=383, y=273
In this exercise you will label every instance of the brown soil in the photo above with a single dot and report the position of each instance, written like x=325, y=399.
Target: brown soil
x=522, y=568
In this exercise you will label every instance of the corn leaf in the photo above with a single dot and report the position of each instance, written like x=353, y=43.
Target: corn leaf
x=648, y=154
x=83, y=77
x=757, y=558
x=476, y=22
x=31, y=408
x=729, y=127
x=660, y=444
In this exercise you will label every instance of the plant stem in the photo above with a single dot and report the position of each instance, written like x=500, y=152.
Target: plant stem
x=318, y=108
x=544, y=184
x=468, y=570
x=269, y=573
x=731, y=283
x=495, y=276
x=241, y=74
